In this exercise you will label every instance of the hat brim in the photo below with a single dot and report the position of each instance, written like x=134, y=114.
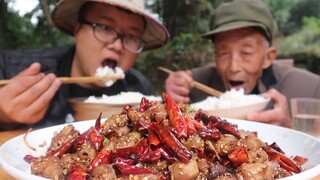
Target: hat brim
x=232, y=26
x=65, y=15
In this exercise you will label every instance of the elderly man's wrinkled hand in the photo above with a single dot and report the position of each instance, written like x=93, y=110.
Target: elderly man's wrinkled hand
x=278, y=115
x=26, y=98
x=178, y=85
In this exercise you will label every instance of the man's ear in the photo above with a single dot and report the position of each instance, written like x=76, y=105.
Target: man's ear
x=271, y=56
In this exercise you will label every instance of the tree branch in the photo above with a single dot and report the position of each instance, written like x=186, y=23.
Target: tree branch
x=45, y=8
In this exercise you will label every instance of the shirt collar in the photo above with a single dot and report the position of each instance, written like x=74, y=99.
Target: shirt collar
x=267, y=80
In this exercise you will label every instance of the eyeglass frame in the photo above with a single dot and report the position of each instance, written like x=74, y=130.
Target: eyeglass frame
x=118, y=35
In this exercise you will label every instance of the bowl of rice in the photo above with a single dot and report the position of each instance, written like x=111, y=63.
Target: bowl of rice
x=232, y=104
x=87, y=108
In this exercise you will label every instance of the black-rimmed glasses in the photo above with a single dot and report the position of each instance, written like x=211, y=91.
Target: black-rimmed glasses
x=108, y=35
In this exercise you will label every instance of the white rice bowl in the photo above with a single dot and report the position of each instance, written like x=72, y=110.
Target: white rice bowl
x=232, y=104
x=85, y=108
x=122, y=98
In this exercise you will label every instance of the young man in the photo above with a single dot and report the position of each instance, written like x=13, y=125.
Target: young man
x=106, y=32
x=242, y=33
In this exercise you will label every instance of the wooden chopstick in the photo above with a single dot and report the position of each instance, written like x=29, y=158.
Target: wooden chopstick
x=198, y=85
x=88, y=79
x=70, y=80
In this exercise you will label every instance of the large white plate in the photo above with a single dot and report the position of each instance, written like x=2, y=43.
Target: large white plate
x=291, y=141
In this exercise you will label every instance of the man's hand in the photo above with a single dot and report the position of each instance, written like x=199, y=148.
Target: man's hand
x=26, y=98
x=279, y=115
x=178, y=85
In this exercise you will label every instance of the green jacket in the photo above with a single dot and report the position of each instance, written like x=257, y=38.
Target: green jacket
x=290, y=81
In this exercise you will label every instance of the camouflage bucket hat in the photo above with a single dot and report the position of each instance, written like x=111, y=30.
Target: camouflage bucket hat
x=243, y=13
x=65, y=15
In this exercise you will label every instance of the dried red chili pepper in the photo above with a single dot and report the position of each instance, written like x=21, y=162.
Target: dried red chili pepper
x=97, y=125
x=276, y=147
x=138, y=153
x=103, y=157
x=300, y=160
x=96, y=138
x=29, y=158
x=171, y=142
x=215, y=121
x=92, y=135
x=190, y=126
x=177, y=121
x=151, y=156
x=227, y=127
x=167, y=155
x=239, y=156
x=62, y=149
x=126, y=167
x=283, y=160
x=211, y=133
x=153, y=138
x=203, y=116
x=144, y=104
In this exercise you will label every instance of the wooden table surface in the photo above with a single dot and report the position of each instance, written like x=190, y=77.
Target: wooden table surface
x=7, y=135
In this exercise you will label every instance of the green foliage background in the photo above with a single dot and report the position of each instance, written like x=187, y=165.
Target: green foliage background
x=186, y=20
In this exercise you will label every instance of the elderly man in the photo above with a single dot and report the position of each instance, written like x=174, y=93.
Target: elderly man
x=243, y=32
x=106, y=32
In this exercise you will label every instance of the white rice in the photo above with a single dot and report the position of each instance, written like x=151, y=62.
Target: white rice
x=122, y=98
x=107, y=71
x=229, y=99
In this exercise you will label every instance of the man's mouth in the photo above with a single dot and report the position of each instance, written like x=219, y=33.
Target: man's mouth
x=109, y=62
x=236, y=83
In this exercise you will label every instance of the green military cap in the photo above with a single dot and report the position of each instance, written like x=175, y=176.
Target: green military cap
x=243, y=13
